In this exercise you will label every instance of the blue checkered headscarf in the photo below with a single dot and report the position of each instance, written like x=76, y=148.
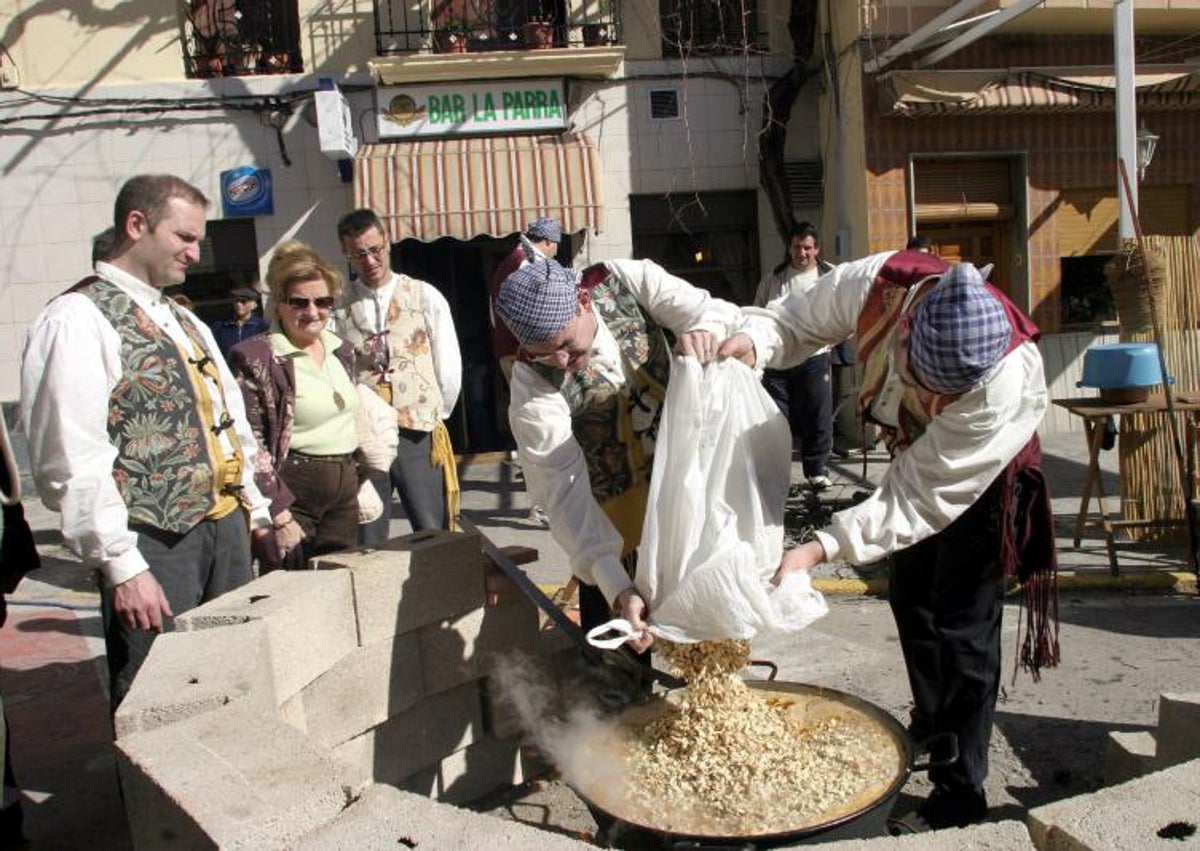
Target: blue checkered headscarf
x=538, y=300
x=959, y=332
x=544, y=228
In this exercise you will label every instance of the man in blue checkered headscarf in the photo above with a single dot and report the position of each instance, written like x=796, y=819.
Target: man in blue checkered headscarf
x=963, y=503
x=585, y=400
x=959, y=333
x=538, y=300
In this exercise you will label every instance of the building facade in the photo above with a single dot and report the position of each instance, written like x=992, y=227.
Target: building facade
x=1004, y=150
x=635, y=122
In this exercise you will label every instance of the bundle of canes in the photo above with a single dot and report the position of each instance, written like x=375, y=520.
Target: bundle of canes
x=1186, y=474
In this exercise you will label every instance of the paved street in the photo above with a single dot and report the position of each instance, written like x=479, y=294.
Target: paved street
x=1121, y=648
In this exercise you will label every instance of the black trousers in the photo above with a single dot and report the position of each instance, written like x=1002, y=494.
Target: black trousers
x=805, y=396
x=211, y=559
x=947, y=596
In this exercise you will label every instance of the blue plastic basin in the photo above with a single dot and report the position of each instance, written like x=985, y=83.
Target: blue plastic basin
x=1121, y=365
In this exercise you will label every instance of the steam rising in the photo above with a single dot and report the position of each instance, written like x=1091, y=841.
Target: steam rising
x=564, y=724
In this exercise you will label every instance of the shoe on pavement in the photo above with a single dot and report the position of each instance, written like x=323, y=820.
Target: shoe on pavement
x=819, y=483
x=945, y=807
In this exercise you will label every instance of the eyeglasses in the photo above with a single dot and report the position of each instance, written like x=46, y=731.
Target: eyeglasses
x=324, y=302
x=375, y=251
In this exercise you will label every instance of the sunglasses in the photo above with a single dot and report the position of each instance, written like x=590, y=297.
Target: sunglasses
x=375, y=251
x=324, y=302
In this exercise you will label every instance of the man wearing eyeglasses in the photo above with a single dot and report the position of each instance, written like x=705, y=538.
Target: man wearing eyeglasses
x=587, y=394
x=137, y=431
x=406, y=348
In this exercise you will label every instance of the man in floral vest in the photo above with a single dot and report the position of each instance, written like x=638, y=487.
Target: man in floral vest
x=954, y=380
x=587, y=391
x=137, y=432
x=405, y=348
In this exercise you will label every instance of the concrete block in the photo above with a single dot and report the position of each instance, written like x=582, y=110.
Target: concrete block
x=358, y=753
x=309, y=616
x=385, y=819
x=1128, y=755
x=191, y=672
x=424, y=782
x=456, y=650
x=412, y=581
x=993, y=836
x=1139, y=814
x=291, y=712
x=363, y=689
x=426, y=734
x=480, y=769
x=231, y=778
x=1178, y=728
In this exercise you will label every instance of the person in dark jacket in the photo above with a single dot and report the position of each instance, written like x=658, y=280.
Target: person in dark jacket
x=244, y=324
x=301, y=404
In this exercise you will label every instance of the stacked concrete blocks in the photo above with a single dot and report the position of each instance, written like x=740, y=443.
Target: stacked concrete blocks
x=1177, y=739
x=427, y=595
x=386, y=819
x=309, y=618
x=997, y=836
x=275, y=706
x=198, y=672
x=233, y=777
x=1156, y=811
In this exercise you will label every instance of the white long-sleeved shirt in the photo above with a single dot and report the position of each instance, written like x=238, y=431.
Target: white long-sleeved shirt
x=71, y=364
x=555, y=470
x=443, y=339
x=962, y=451
x=789, y=279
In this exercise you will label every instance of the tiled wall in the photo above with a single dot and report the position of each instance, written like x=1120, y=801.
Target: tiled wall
x=59, y=191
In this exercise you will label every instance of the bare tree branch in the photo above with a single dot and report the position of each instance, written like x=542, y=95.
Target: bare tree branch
x=777, y=109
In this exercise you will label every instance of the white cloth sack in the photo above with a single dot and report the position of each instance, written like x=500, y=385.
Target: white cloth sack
x=370, y=504
x=378, y=431
x=713, y=534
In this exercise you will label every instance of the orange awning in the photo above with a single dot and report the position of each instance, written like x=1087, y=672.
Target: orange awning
x=480, y=185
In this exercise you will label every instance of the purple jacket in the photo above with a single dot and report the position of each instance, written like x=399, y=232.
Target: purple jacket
x=268, y=385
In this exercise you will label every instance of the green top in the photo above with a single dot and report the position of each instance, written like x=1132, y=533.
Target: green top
x=326, y=402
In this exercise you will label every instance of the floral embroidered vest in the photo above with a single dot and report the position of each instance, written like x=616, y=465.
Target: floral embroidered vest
x=617, y=429
x=170, y=468
x=905, y=278
x=398, y=363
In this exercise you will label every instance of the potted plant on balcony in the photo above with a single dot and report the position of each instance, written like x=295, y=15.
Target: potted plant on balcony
x=244, y=57
x=452, y=36
x=538, y=33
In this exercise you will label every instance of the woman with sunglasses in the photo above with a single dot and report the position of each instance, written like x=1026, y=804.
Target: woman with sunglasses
x=302, y=405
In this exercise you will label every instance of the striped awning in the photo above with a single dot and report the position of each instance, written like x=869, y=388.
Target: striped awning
x=484, y=185
x=917, y=93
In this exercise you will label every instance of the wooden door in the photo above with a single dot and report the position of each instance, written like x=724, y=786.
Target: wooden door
x=977, y=242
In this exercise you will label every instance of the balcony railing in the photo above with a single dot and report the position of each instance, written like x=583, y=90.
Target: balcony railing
x=226, y=38
x=460, y=26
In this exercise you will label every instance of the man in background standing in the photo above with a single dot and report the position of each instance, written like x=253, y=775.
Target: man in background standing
x=540, y=241
x=137, y=432
x=244, y=324
x=803, y=393
x=407, y=349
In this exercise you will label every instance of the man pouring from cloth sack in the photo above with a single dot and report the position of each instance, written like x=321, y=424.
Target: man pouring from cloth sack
x=954, y=379
x=587, y=391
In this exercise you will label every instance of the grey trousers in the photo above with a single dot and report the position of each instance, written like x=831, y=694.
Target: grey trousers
x=211, y=559
x=420, y=485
